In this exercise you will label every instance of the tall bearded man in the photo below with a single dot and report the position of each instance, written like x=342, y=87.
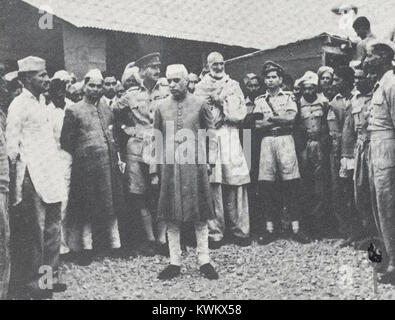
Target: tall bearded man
x=96, y=196
x=38, y=185
x=230, y=175
x=185, y=194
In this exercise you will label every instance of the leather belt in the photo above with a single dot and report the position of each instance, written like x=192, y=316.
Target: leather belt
x=278, y=132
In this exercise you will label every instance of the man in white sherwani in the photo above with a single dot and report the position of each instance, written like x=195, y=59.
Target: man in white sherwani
x=231, y=173
x=38, y=186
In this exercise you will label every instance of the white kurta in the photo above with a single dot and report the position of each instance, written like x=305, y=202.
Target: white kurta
x=231, y=166
x=29, y=134
x=56, y=115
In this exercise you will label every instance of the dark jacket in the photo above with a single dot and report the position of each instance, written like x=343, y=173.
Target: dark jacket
x=185, y=193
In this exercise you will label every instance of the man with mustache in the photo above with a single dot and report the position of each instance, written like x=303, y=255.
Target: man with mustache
x=185, y=195
x=96, y=194
x=230, y=175
x=313, y=125
x=356, y=148
x=135, y=113
x=38, y=185
x=278, y=159
x=5, y=263
x=341, y=180
x=381, y=128
x=325, y=81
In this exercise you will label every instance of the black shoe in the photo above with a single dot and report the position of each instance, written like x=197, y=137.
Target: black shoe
x=59, y=287
x=214, y=245
x=170, y=272
x=242, y=242
x=148, y=249
x=84, y=258
x=209, y=272
x=39, y=294
x=300, y=237
x=67, y=257
x=163, y=249
x=266, y=238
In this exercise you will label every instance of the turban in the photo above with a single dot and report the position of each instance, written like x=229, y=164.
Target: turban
x=130, y=72
x=310, y=78
x=323, y=70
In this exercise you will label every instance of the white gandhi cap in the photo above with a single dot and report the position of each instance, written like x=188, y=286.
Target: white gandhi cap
x=31, y=64
x=176, y=71
x=94, y=74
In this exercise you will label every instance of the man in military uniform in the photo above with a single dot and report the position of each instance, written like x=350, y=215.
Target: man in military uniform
x=341, y=183
x=253, y=90
x=325, y=82
x=381, y=128
x=362, y=224
x=5, y=260
x=313, y=111
x=135, y=113
x=278, y=155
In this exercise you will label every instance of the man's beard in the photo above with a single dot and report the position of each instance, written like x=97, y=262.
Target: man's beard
x=217, y=75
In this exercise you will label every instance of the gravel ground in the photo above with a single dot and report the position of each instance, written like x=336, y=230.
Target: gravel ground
x=280, y=270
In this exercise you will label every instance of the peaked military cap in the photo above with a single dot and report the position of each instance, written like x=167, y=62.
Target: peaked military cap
x=269, y=66
x=152, y=59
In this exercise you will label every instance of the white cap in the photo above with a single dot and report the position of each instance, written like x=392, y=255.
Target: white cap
x=62, y=75
x=310, y=77
x=11, y=76
x=94, y=74
x=176, y=71
x=76, y=86
x=31, y=64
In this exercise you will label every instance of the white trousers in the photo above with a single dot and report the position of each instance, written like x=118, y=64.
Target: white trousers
x=173, y=234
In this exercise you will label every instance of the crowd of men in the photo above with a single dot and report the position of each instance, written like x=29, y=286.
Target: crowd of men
x=77, y=179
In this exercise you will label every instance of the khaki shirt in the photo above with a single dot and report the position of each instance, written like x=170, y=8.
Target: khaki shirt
x=360, y=108
x=136, y=109
x=281, y=103
x=312, y=114
x=382, y=108
x=336, y=115
x=250, y=105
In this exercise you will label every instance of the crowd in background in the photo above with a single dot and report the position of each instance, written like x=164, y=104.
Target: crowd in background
x=76, y=183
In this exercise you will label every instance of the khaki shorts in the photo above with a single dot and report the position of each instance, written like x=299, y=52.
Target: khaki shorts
x=278, y=159
x=138, y=177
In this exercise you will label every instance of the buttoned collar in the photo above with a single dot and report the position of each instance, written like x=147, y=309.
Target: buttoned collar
x=26, y=93
x=387, y=77
x=304, y=102
x=279, y=93
x=144, y=88
x=109, y=100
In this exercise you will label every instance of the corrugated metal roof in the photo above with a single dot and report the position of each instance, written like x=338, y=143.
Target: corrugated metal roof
x=260, y=24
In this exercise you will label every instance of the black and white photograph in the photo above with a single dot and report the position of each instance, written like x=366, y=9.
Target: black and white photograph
x=204, y=151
